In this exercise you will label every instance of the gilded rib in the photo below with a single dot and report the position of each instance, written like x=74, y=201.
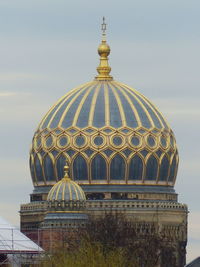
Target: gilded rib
x=70, y=104
x=119, y=103
x=89, y=89
x=141, y=104
x=68, y=94
x=107, y=107
x=58, y=189
x=93, y=104
x=131, y=105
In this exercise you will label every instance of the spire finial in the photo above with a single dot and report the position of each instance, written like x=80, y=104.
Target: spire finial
x=66, y=171
x=104, y=51
x=103, y=28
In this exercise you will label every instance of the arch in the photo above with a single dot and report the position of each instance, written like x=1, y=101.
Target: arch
x=60, y=163
x=38, y=169
x=164, y=169
x=99, y=168
x=136, y=168
x=151, y=168
x=48, y=168
x=117, y=168
x=172, y=170
x=80, y=170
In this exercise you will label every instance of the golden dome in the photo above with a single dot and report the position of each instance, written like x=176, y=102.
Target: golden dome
x=110, y=133
x=66, y=190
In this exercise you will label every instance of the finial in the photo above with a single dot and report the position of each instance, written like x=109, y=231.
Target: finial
x=104, y=51
x=103, y=28
x=66, y=171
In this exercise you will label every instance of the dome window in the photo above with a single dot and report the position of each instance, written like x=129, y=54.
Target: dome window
x=80, y=141
x=152, y=168
x=49, y=141
x=151, y=141
x=99, y=168
x=136, y=168
x=117, y=140
x=80, y=171
x=117, y=168
x=163, y=141
x=63, y=141
x=98, y=141
x=135, y=141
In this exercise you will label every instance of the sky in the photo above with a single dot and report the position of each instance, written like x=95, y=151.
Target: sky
x=49, y=47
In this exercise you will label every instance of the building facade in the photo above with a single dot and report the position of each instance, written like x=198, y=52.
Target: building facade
x=121, y=151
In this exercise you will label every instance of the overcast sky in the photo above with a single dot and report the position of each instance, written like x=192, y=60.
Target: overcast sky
x=48, y=47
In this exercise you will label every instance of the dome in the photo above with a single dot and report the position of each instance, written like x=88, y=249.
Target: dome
x=110, y=133
x=66, y=190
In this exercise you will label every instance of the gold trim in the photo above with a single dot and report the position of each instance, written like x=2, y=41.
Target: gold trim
x=93, y=104
x=134, y=94
x=75, y=96
x=107, y=105
x=61, y=100
x=119, y=103
x=89, y=89
x=135, y=112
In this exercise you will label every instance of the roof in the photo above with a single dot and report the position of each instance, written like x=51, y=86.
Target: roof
x=103, y=103
x=13, y=241
x=194, y=263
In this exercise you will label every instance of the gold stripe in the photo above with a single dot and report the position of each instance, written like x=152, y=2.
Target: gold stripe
x=68, y=94
x=107, y=107
x=63, y=192
x=151, y=106
x=52, y=191
x=89, y=89
x=80, y=191
x=159, y=114
x=74, y=186
x=131, y=105
x=131, y=90
x=119, y=103
x=69, y=105
x=70, y=191
x=156, y=111
x=93, y=104
x=58, y=189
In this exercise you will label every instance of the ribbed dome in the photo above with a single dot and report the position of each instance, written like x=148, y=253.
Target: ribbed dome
x=110, y=134
x=100, y=104
x=66, y=190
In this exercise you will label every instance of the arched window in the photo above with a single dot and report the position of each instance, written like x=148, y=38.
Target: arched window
x=38, y=170
x=80, y=171
x=99, y=168
x=117, y=168
x=152, y=168
x=135, y=168
x=172, y=170
x=164, y=169
x=48, y=169
x=61, y=162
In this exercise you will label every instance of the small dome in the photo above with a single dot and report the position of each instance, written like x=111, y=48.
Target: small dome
x=66, y=190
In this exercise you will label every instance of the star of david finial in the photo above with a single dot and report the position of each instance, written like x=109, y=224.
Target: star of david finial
x=103, y=28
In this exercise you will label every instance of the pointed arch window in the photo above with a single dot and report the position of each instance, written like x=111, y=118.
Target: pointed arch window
x=80, y=171
x=152, y=168
x=61, y=161
x=48, y=169
x=38, y=169
x=172, y=170
x=164, y=169
x=136, y=168
x=99, y=168
x=117, y=168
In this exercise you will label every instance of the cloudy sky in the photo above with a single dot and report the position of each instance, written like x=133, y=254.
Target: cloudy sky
x=48, y=47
